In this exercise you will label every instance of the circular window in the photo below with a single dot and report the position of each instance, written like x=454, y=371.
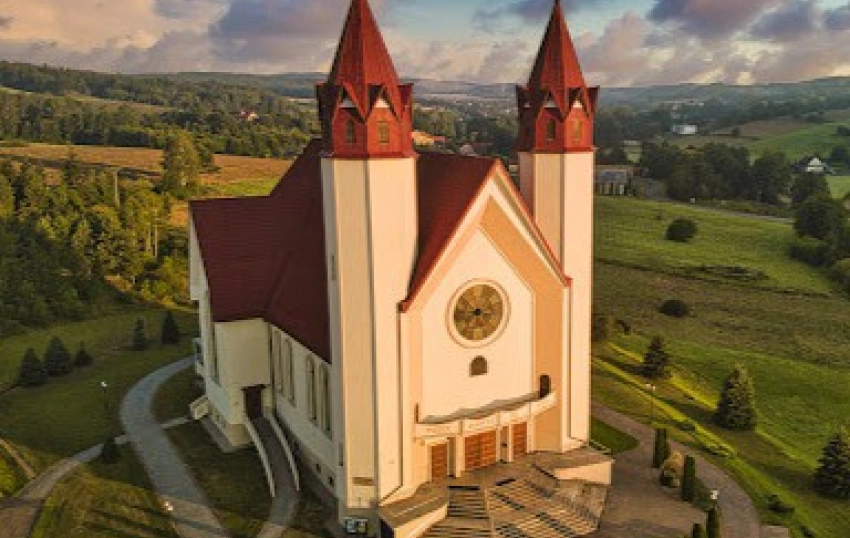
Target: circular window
x=478, y=313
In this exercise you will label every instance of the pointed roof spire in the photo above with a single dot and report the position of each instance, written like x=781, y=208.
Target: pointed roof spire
x=557, y=67
x=362, y=60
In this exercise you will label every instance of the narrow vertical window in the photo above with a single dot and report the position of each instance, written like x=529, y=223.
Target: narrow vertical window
x=276, y=361
x=210, y=351
x=577, y=131
x=383, y=132
x=312, y=410
x=288, y=372
x=327, y=418
x=551, y=130
x=350, y=132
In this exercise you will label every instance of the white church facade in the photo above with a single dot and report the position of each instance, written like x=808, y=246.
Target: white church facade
x=404, y=320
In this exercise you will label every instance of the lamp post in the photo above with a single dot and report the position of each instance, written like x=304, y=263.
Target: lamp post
x=715, y=494
x=651, y=395
x=105, y=386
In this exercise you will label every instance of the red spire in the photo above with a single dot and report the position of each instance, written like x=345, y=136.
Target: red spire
x=556, y=107
x=365, y=111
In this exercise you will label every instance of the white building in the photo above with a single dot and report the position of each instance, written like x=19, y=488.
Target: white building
x=403, y=320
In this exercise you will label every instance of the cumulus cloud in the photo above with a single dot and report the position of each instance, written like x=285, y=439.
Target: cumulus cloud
x=790, y=22
x=188, y=9
x=709, y=19
x=838, y=19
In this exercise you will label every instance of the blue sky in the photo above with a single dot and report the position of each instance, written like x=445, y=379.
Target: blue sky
x=620, y=42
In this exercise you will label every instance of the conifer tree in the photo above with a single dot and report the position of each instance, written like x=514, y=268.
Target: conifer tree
x=656, y=360
x=698, y=531
x=736, y=409
x=712, y=523
x=661, y=450
x=109, y=451
x=170, y=329
x=689, y=480
x=32, y=372
x=57, y=358
x=83, y=357
x=140, y=337
x=832, y=477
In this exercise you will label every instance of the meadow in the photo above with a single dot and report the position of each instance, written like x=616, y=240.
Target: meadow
x=791, y=331
x=840, y=186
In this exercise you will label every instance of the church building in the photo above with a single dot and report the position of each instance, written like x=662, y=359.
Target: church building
x=414, y=325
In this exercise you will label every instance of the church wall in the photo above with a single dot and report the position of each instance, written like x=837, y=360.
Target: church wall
x=447, y=387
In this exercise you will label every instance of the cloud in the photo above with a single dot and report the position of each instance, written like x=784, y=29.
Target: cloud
x=6, y=22
x=791, y=22
x=838, y=19
x=709, y=19
x=188, y=9
x=526, y=11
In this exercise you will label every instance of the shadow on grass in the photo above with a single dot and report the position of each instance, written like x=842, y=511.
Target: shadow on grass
x=124, y=527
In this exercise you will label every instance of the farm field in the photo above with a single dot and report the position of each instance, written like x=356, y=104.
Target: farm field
x=839, y=185
x=794, y=345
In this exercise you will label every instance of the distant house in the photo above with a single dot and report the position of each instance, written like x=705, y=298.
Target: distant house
x=813, y=165
x=426, y=140
x=614, y=180
x=685, y=129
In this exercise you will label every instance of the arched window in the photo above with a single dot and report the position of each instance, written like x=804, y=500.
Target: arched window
x=350, y=132
x=478, y=366
x=577, y=131
x=545, y=386
x=551, y=130
x=383, y=132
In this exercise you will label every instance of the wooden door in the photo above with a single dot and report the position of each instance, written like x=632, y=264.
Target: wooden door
x=519, y=439
x=439, y=461
x=254, y=401
x=480, y=450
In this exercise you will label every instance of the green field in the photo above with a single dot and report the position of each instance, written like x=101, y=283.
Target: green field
x=795, y=345
x=815, y=140
x=840, y=186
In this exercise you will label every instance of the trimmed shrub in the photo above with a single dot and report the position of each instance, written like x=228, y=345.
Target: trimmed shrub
x=83, y=358
x=689, y=480
x=841, y=273
x=140, y=337
x=698, y=531
x=57, y=358
x=736, y=409
x=656, y=360
x=712, y=523
x=832, y=477
x=682, y=230
x=811, y=251
x=32, y=372
x=675, y=308
x=170, y=329
x=661, y=450
x=775, y=504
x=109, y=452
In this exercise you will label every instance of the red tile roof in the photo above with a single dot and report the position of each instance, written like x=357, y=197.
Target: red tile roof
x=557, y=67
x=265, y=257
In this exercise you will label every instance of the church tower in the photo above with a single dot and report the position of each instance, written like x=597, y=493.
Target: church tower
x=556, y=157
x=370, y=215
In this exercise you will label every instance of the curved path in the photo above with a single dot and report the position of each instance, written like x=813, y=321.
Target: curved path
x=631, y=508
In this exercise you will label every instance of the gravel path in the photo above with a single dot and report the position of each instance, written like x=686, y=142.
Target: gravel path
x=638, y=503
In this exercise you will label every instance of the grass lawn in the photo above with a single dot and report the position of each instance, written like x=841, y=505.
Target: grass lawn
x=72, y=413
x=11, y=476
x=174, y=396
x=611, y=437
x=817, y=139
x=105, y=501
x=630, y=232
x=839, y=185
x=794, y=344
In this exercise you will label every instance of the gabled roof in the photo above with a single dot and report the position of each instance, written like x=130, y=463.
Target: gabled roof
x=265, y=256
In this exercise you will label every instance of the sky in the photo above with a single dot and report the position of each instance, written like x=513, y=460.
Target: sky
x=620, y=42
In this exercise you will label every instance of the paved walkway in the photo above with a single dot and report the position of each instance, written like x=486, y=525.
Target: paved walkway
x=639, y=506
x=191, y=512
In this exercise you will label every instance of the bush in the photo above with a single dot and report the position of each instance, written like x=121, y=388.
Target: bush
x=656, y=360
x=32, y=372
x=841, y=273
x=712, y=523
x=83, y=358
x=140, y=337
x=698, y=531
x=170, y=329
x=675, y=308
x=689, y=480
x=661, y=450
x=775, y=504
x=601, y=328
x=736, y=409
x=57, y=358
x=109, y=451
x=810, y=250
x=682, y=230
x=832, y=477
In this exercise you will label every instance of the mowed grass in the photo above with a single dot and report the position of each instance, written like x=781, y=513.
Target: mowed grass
x=631, y=232
x=839, y=185
x=816, y=139
x=74, y=412
x=105, y=501
x=611, y=438
x=794, y=344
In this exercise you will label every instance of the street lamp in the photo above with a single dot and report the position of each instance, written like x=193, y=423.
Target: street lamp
x=651, y=388
x=715, y=494
x=105, y=386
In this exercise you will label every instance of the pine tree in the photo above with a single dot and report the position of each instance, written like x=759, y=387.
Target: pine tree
x=170, y=329
x=736, y=409
x=140, y=337
x=109, y=451
x=661, y=450
x=832, y=477
x=32, y=373
x=656, y=360
x=712, y=523
x=689, y=480
x=698, y=531
x=83, y=358
x=57, y=358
